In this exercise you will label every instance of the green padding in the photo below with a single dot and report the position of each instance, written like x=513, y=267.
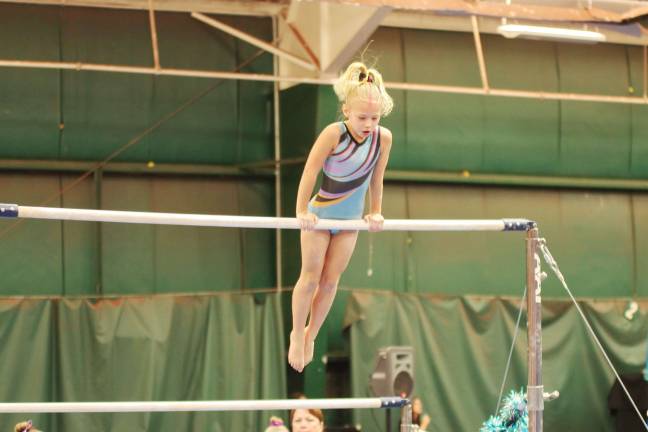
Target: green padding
x=149, y=258
x=461, y=346
x=381, y=260
x=109, y=110
x=32, y=258
x=639, y=149
x=640, y=219
x=255, y=99
x=81, y=245
x=31, y=99
x=444, y=130
x=89, y=115
x=595, y=137
x=142, y=348
x=454, y=132
x=521, y=135
x=592, y=235
x=85, y=258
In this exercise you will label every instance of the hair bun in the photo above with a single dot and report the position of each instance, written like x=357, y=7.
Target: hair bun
x=352, y=84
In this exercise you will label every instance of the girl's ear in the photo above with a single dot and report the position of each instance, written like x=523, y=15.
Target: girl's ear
x=345, y=110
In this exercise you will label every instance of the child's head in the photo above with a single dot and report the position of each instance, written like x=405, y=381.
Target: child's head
x=360, y=84
x=25, y=426
x=364, y=98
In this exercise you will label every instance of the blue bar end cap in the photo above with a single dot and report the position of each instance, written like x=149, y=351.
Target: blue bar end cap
x=393, y=402
x=9, y=210
x=519, y=224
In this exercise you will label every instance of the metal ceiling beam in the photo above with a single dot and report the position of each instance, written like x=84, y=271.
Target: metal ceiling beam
x=548, y=10
x=154, y=38
x=319, y=81
x=480, y=54
x=331, y=33
x=428, y=14
x=225, y=7
x=254, y=41
x=346, y=29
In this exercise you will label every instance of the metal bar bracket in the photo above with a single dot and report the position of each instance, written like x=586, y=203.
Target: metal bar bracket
x=535, y=398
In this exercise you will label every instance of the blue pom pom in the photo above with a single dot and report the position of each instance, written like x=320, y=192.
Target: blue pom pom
x=512, y=417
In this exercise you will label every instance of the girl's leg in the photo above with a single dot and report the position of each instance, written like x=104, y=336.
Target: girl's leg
x=313, y=252
x=337, y=258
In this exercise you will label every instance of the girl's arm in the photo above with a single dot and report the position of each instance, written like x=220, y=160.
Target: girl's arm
x=323, y=146
x=376, y=185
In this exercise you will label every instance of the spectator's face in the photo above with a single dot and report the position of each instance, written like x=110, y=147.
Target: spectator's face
x=303, y=421
x=417, y=407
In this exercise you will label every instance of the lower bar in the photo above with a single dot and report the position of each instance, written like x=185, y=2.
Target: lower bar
x=233, y=405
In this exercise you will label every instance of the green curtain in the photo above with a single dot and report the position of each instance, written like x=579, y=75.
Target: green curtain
x=217, y=347
x=461, y=346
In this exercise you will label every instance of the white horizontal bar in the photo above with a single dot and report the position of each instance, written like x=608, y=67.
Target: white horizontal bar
x=12, y=210
x=168, y=406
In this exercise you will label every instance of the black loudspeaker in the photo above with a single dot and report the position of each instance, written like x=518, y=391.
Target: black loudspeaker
x=626, y=417
x=394, y=372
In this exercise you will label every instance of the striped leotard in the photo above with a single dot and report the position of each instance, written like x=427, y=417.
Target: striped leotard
x=346, y=176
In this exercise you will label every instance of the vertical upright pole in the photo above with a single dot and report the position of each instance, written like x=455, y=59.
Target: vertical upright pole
x=98, y=183
x=535, y=401
x=277, y=156
x=406, y=418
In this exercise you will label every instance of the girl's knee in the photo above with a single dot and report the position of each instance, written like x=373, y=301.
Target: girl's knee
x=308, y=281
x=328, y=285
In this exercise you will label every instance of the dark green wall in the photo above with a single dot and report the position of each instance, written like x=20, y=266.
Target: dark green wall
x=52, y=114
x=75, y=258
x=69, y=115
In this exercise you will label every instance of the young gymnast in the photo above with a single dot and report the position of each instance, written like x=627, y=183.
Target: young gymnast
x=352, y=155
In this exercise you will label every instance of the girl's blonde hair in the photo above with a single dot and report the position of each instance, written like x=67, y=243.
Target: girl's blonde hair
x=360, y=82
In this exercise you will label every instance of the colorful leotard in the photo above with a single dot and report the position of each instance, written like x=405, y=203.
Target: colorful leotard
x=346, y=176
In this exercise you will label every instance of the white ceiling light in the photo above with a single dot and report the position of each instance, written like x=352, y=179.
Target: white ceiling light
x=553, y=33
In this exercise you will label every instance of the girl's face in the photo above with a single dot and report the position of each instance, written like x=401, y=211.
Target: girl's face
x=303, y=421
x=363, y=116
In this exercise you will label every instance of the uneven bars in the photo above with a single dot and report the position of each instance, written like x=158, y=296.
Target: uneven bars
x=230, y=405
x=16, y=211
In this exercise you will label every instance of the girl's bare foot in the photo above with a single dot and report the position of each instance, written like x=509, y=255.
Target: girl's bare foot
x=296, y=351
x=309, y=347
